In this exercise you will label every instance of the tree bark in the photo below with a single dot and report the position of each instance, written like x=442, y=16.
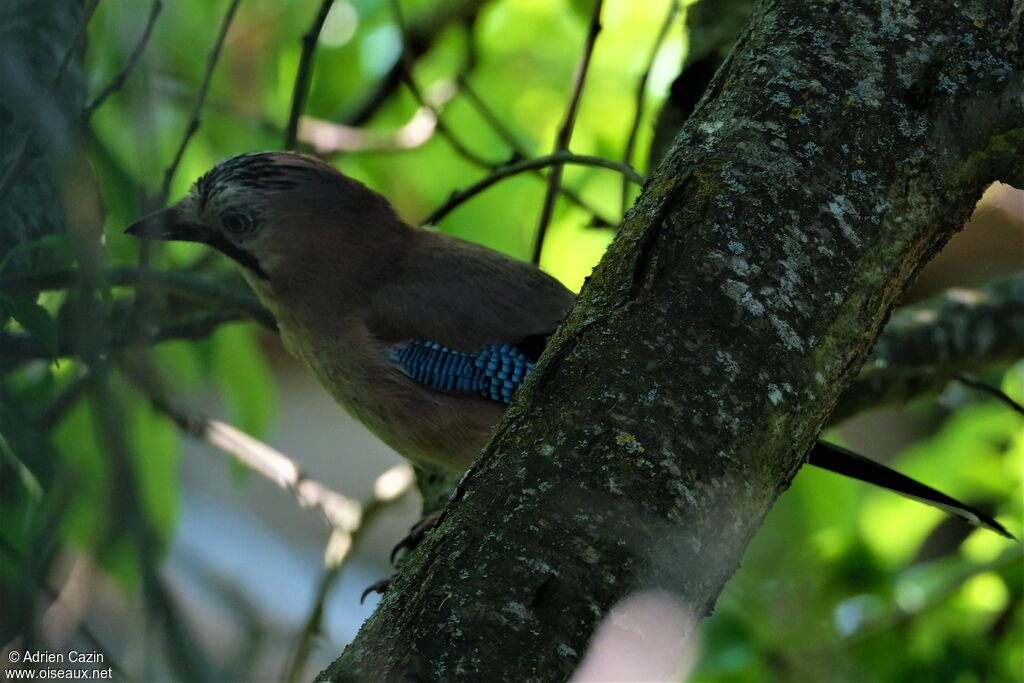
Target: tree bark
x=836, y=150
x=926, y=345
x=711, y=28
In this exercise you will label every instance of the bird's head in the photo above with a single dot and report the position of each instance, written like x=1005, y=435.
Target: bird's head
x=275, y=213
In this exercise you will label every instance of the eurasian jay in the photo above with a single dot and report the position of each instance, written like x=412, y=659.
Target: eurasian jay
x=421, y=336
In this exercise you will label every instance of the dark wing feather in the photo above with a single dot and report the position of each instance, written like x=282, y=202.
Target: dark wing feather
x=466, y=297
x=847, y=463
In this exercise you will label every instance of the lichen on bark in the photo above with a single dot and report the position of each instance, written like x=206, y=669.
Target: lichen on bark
x=823, y=167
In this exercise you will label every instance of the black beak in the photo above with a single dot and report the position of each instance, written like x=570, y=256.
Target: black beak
x=167, y=225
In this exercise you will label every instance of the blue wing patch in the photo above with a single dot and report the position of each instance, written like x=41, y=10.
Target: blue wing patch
x=494, y=372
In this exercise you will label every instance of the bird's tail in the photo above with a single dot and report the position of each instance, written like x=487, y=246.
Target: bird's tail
x=847, y=463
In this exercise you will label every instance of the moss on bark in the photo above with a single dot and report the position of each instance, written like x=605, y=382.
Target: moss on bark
x=822, y=169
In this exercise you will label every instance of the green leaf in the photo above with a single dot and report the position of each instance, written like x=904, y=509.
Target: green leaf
x=86, y=463
x=34, y=319
x=243, y=378
x=182, y=360
x=156, y=458
x=25, y=476
x=1013, y=382
x=97, y=517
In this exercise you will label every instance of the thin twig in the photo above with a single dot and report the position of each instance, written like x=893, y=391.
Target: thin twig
x=312, y=627
x=193, y=121
x=332, y=571
x=303, y=76
x=20, y=348
x=422, y=32
x=340, y=512
x=565, y=132
x=119, y=80
x=490, y=116
x=143, y=295
x=196, y=286
x=509, y=170
x=641, y=88
x=520, y=151
x=65, y=400
x=407, y=60
x=995, y=392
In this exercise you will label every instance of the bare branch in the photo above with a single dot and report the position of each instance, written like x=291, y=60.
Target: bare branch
x=994, y=392
x=510, y=139
x=460, y=148
x=421, y=32
x=196, y=286
x=565, y=132
x=440, y=125
x=339, y=511
x=509, y=170
x=119, y=80
x=407, y=60
x=390, y=487
x=197, y=107
x=304, y=73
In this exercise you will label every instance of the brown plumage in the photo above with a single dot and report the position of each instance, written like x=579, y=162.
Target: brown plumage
x=349, y=282
x=345, y=278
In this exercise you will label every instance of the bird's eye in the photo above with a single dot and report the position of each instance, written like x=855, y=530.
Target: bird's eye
x=238, y=223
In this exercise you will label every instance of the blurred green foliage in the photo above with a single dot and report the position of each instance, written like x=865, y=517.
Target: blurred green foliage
x=848, y=582
x=842, y=583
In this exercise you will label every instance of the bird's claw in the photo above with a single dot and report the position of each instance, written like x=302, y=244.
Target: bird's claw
x=416, y=534
x=377, y=587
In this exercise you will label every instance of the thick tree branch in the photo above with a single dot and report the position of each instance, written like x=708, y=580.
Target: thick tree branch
x=827, y=162
x=928, y=344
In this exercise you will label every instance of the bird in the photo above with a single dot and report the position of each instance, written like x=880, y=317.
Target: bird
x=419, y=335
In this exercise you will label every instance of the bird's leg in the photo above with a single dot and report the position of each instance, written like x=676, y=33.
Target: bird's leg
x=411, y=540
x=416, y=534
